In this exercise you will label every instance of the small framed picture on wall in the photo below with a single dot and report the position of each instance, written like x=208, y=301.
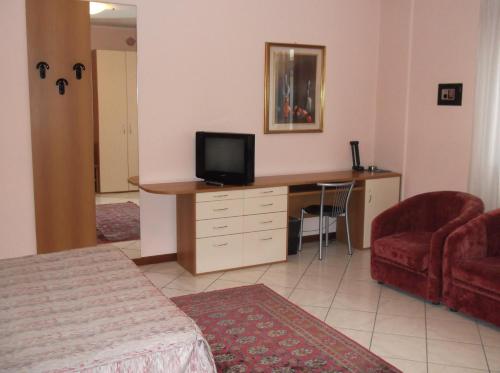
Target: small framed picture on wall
x=450, y=94
x=294, y=88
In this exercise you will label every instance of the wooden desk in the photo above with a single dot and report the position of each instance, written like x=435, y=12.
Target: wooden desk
x=373, y=193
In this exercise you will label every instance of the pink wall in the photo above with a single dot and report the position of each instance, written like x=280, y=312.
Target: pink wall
x=442, y=49
x=113, y=38
x=17, y=216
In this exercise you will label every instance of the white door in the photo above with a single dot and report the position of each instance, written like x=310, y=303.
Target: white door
x=133, y=147
x=112, y=99
x=380, y=194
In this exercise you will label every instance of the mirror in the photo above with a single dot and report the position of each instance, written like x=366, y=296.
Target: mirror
x=113, y=30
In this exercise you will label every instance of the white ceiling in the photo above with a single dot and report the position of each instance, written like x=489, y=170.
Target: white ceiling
x=117, y=15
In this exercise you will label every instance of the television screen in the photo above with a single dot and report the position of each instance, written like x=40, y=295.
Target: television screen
x=225, y=158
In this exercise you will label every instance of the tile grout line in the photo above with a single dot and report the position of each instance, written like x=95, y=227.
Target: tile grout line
x=301, y=276
x=376, y=315
x=338, y=286
x=483, y=347
x=426, y=340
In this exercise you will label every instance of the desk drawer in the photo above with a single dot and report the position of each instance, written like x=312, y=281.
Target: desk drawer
x=219, y=227
x=264, y=192
x=264, y=247
x=219, y=253
x=262, y=205
x=260, y=222
x=219, y=209
x=219, y=196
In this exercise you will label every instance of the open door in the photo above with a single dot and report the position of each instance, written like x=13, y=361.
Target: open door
x=61, y=123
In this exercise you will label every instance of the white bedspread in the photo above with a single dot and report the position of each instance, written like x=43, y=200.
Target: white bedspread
x=92, y=310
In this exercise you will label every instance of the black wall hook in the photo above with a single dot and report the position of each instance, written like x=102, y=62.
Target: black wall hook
x=78, y=68
x=62, y=83
x=42, y=66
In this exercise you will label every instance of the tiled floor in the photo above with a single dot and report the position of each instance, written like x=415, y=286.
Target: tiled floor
x=131, y=248
x=414, y=335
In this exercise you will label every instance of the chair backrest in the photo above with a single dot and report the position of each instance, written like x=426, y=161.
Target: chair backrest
x=341, y=196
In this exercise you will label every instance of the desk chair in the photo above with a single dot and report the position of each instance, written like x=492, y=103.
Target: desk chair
x=339, y=207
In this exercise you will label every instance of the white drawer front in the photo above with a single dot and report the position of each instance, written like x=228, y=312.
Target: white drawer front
x=262, y=205
x=219, y=209
x=264, y=192
x=219, y=196
x=264, y=247
x=274, y=220
x=219, y=227
x=219, y=253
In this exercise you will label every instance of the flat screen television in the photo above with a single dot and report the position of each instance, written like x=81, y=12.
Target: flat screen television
x=225, y=158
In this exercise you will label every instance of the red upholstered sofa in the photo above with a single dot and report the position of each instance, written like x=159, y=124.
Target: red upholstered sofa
x=407, y=240
x=471, y=268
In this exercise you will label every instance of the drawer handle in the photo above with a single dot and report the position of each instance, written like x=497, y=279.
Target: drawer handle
x=266, y=222
x=266, y=204
x=223, y=209
x=221, y=244
x=266, y=239
x=221, y=195
x=267, y=191
x=220, y=227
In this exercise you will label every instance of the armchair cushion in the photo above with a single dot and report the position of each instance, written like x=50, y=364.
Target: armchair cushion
x=482, y=273
x=407, y=249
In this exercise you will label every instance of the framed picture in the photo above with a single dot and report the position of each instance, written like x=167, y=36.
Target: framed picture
x=450, y=94
x=294, y=88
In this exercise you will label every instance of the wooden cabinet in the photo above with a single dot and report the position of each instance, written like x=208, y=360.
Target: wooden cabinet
x=115, y=115
x=232, y=228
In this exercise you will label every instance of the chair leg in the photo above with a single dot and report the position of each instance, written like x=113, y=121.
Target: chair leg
x=348, y=234
x=321, y=237
x=301, y=228
x=327, y=226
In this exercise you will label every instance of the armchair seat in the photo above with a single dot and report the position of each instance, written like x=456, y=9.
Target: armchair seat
x=407, y=249
x=480, y=273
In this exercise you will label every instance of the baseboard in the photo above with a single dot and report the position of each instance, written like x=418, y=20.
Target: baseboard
x=154, y=259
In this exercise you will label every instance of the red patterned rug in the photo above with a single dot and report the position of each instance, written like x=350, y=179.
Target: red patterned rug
x=253, y=329
x=117, y=222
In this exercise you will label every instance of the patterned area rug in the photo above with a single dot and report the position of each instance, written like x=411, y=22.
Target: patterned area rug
x=254, y=329
x=117, y=222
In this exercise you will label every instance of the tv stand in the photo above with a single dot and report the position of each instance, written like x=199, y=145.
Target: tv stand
x=216, y=183
x=236, y=226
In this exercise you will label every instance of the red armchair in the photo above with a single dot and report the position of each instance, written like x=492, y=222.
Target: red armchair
x=407, y=240
x=471, y=268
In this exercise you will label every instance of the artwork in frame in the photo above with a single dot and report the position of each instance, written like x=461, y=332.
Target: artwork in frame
x=294, y=88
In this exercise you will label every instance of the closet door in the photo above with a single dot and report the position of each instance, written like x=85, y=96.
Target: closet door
x=58, y=32
x=133, y=148
x=113, y=124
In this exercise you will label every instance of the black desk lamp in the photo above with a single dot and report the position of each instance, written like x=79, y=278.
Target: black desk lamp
x=355, y=156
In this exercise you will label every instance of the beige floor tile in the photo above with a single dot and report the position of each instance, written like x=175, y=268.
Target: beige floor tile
x=349, y=319
x=401, y=325
x=295, y=269
x=493, y=356
x=160, y=279
x=464, y=331
x=357, y=274
x=408, y=366
x=280, y=279
x=351, y=301
x=436, y=368
x=318, y=312
x=392, y=293
x=401, y=307
x=324, y=271
x=225, y=284
x=490, y=334
x=171, y=293
x=441, y=312
x=132, y=253
x=399, y=347
x=281, y=290
x=328, y=284
x=167, y=267
x=191, y=283
x=456, y=354
x=362, y=288
x=359, y=336
x=311, y=297
x=243, y=275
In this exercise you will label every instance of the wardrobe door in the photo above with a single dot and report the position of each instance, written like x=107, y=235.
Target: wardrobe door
x=58, y=33
x=113, y=128
x=133, y=148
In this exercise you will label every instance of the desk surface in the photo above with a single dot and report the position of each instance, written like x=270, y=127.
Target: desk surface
x=191, y=187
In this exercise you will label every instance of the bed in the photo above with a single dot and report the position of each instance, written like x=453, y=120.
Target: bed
x=92, y=310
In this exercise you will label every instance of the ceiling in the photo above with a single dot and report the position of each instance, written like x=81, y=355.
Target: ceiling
x=115, y=15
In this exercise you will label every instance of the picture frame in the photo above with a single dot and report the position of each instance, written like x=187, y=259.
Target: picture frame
x=294, y=88
x=450, y=94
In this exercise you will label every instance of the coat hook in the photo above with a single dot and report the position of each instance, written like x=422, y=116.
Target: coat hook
x=78, y=68
x=42, y=66
x=62, y=83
